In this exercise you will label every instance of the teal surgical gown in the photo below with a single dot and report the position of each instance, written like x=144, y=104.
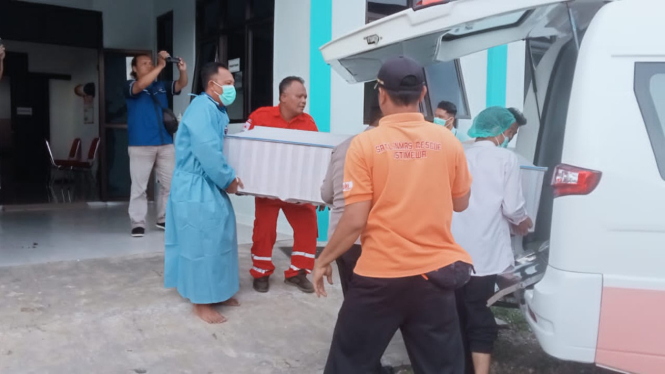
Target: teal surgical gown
x=201, y=254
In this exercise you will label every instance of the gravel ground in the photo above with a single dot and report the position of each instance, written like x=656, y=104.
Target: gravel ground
x=517, y=352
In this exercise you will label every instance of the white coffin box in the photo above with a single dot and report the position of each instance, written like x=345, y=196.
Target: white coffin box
x=288, y=165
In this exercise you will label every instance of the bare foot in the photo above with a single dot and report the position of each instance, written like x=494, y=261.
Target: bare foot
x=207, y=313
x=231, y=302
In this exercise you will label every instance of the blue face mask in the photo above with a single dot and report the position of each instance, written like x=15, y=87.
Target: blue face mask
x=506, y=140
x=439, y=121
x=228, y=95
x=442, y=122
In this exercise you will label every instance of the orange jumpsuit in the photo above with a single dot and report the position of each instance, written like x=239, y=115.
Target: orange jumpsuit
x=301, y=217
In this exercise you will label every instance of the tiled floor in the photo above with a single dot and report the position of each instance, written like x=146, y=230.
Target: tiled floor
x=76, y=232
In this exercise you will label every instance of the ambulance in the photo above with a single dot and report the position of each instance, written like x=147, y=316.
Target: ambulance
x=592, y=280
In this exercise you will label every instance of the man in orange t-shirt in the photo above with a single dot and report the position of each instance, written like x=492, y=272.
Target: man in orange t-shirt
x=403, y=180
x=302, y=217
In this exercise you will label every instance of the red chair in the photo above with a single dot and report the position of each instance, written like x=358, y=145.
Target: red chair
x=75, y=150
x=73, y=168
x=85, y=167
x=90, y=161
x=59, y=175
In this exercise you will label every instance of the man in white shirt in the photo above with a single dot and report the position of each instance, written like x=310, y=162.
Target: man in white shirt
x=332, y=193
x=483, y=229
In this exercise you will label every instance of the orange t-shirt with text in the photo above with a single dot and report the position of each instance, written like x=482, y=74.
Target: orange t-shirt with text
x=410, y=170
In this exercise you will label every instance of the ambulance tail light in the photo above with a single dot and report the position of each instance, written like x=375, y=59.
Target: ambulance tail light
x=426, y=3
x=571, y=180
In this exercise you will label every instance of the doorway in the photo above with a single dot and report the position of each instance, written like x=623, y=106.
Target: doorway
x=37, y=97
x=24, y=166
x=165, y=43
x=239, y=33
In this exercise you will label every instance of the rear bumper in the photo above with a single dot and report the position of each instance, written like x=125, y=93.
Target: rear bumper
x=563, y=311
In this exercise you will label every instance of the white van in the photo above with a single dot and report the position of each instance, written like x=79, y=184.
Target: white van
x=596, y=110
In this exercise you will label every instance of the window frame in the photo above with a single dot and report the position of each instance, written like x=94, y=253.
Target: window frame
x=220, y=36
x=369, y=18
x=447, y=37
x=644, y=72
x=426, y=106
x=431, y=107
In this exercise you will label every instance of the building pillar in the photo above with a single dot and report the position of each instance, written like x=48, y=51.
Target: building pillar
x=319, y=77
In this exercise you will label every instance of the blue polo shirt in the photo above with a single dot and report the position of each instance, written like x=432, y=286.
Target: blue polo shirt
x=145, y=124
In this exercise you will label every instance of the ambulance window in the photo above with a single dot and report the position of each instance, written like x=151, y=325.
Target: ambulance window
x=377, y=9
x=503, y=21
x=444, y=79
x=650, y=93
x=539, y=46
x=445, y=83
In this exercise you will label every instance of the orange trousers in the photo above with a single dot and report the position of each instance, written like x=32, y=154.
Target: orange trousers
x=302, y=217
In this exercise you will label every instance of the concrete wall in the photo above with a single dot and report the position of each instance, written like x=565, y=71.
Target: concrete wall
x=474, y=72
x=515, y=74
x=291, y=48
x=128, y=24
x=66, y=109
x=184, y=41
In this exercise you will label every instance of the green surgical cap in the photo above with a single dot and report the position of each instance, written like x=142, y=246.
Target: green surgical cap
x=491, y=122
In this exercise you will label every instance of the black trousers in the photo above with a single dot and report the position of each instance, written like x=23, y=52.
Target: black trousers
x=346, y=263
x=375, y=308
x=477, y=323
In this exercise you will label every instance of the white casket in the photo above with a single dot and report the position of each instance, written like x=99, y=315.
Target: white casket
x=288, y=165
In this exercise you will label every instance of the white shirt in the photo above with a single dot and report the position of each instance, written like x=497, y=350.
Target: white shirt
x=483, y=229
x=332, y=192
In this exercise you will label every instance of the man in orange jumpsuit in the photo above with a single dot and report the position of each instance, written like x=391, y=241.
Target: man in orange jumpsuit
x=302, y=217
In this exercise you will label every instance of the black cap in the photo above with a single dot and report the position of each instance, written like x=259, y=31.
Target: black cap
x=401, y=73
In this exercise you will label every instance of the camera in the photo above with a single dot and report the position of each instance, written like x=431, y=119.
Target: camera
x=173, y=60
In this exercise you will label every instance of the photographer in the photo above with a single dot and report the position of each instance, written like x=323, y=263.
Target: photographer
x=150, y=145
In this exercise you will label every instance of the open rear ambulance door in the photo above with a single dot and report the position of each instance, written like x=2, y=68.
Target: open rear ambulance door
x=449, y=30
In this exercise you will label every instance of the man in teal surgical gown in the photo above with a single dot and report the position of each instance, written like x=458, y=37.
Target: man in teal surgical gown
x=201, y=255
